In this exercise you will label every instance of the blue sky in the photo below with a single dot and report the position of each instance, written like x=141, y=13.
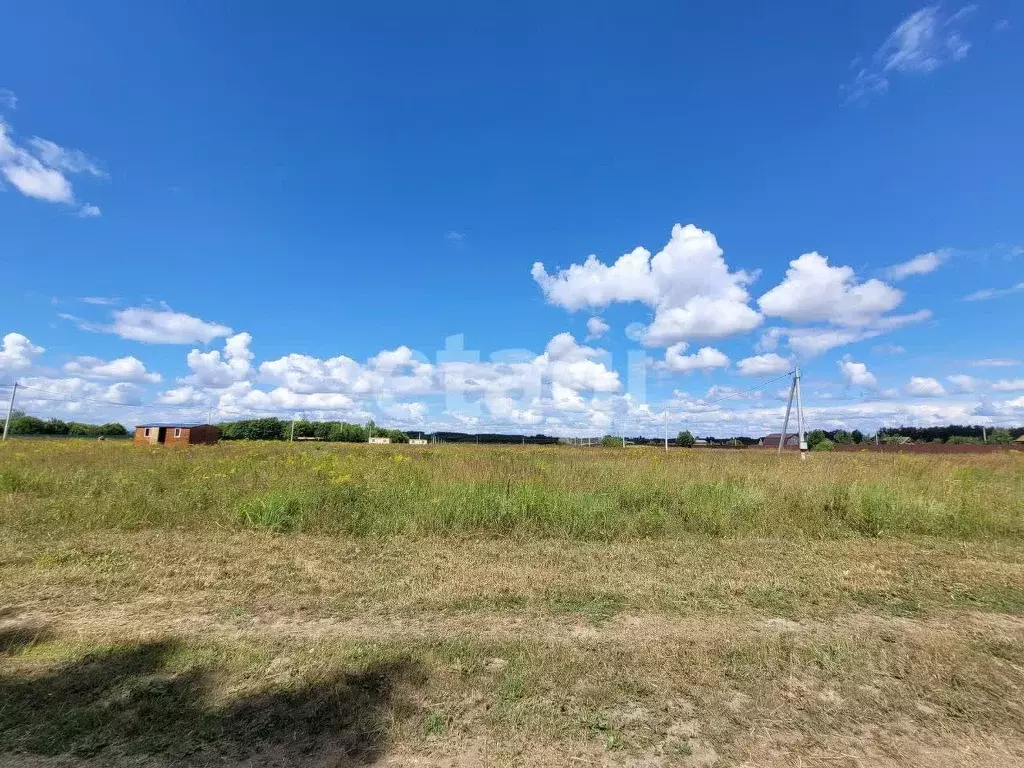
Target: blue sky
x=228, y=209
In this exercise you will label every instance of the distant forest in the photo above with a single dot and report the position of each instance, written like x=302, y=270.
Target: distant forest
x=343, y=432
x=953, y=432
x=30, y=425
x=329, y=431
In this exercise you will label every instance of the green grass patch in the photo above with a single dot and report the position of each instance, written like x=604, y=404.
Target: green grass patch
x=277, y=511
x=993, y=597
x=888, y=602
x=522, y=492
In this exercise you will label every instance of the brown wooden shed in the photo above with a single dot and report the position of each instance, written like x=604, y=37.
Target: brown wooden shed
x=176, y=434
x=773, y=440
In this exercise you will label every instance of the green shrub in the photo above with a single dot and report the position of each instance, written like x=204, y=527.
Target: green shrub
x=961, y=440
x=1000, y=436
x=824, y=445
x=815, y=436
x=685, y=439
x=278, y=511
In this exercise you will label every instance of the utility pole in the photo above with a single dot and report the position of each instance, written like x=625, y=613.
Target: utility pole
x=10, y=409
x=984, y=435
x=292, y=438
x=785, y=422
x=794, y=392
x=802, y=442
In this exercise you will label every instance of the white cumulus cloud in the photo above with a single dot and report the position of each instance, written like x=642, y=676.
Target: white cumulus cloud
x=813, y=291
x=121, y=369
x=856, y=374
x=76, y=394
x=963, y=383
x=185, y=395
x=596, y=328
x=921, y=386
x=216, y=370
x=689, y=284
x=410, y=413
x=705, y=359
x=17, y=353
x=764, y=365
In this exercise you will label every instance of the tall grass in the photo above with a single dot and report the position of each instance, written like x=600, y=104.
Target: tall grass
x=523, y=491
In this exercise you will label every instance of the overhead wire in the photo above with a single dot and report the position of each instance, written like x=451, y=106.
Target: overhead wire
x=751, y=389
x=71, y=397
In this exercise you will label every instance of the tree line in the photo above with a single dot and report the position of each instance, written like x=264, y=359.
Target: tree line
x=953, y=433
x=272, y=428
x=494, y=438
x=32, y=426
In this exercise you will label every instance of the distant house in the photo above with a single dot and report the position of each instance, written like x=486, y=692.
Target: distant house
x=177, y=434
x=417, y=441
x=772, y=440
x=379, y=440
x=1019, y=439
x=699, y=442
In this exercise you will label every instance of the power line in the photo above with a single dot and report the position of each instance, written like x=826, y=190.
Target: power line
x=707, y=404
x=71, y=397
x=67, y=397
x=750, y=389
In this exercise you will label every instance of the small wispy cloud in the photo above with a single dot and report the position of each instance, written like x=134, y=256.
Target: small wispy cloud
x=635, y=331
x=920, y=44
x=154, y=326
x=888, y=349
x=919, y=265
x=7, y=99
x=40, y=168
x=993, y=293
x=596, y=328
x=455, y=237
x=1008, y=385
x=70, y=160
x=101, y=300
x=963, y=384
x=1001, y=26
x=996, y=362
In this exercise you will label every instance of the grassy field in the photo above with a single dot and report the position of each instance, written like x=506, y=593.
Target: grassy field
x=322, y=605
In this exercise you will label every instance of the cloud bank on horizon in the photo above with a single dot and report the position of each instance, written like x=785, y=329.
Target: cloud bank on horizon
x=686, y=289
